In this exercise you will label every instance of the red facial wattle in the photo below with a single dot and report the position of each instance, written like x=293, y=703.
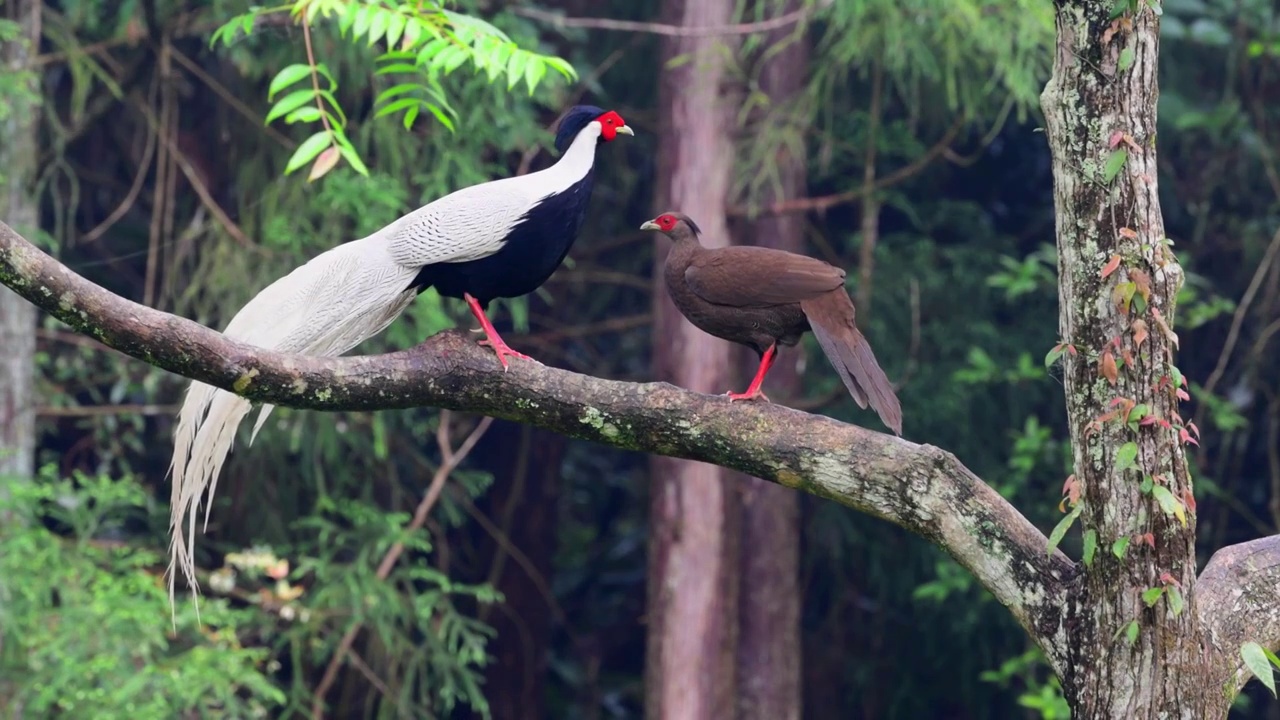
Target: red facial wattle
x=609, y=124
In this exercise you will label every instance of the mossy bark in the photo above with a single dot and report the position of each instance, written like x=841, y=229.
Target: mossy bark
x=17, y=317
x=1117, y=286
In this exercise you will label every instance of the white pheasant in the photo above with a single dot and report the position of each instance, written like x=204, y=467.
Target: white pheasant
x=499, y=239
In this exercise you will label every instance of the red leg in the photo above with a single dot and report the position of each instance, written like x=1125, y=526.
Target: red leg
x=494, y=340
x=754, y=391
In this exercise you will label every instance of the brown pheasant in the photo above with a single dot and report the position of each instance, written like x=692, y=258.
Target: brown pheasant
x=763, y=298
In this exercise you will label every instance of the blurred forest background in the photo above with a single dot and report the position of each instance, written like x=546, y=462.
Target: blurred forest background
x=899, y=140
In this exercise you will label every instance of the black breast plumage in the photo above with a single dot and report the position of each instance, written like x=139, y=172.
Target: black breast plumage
x=530, y=253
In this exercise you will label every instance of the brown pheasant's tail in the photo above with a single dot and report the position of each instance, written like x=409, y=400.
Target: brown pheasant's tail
x=831, y=316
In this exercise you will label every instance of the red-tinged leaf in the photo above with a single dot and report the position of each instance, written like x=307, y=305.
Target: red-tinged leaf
x=1071, y=491
x=327, y=161
x=1186, y=437
x=1128, y=140
x=1182, y=394
x=1158, y=479
x=1111, y=266
x=1107, y=368
x=1164, y=423
x=279, y=570
x=1127, y=233
x=1148, y=420
x=1071, y=349
x=1192, y=427
x=1128, y=357
x=1139, y=328
x=1116, y=137
x=1168, y=579
x=1148, y=538
x=1189, y=499
x=1121, y=401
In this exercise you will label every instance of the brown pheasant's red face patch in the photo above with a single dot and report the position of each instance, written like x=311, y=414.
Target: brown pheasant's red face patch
x=666, y=221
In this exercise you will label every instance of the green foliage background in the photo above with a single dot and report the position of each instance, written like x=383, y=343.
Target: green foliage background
x=965, y=311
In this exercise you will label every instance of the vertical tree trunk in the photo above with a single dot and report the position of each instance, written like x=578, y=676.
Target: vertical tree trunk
x=527, y=462
x=692, y=593
x=769, y=650
x=1117, y=286
x=17, y=316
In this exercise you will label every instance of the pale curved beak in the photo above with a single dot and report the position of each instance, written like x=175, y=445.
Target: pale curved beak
x=650, y=225
x=624, y=130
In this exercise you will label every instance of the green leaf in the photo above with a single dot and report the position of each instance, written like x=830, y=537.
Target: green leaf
x=410, y=115
x=1114, y=163
x=308, y=150
x=1127, y=57
x=1256, y=660
x=1062, y=527
x=288, y=76
x=394, y=90
x=1147, y=483
x=378, y=28
x=1175, y=600
x=289, y=103
x=1054, y=353
x=1151, y=596
x=350, y=155
x=397, y=68
x=303, y=114
x=1168, y=503
x=444, y=119
x=1119, y=547
x=1131, y=632
x=1126, y=456
x=397, y=106
x=533, y=74
x=395, y=28
x=1090, y=546
x=363, y=18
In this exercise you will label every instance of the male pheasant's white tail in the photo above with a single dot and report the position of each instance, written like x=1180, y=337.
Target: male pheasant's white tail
x=207, y=426
x=325, y=308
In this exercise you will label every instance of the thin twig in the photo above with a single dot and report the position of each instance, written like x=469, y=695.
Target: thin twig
x=100, y=410
x=236, y=103
x=827, y=202
x=781, y=21
x=449, y=460
x=148, y=151
x=315, y=76
x=1241, y=310
x=197, y=184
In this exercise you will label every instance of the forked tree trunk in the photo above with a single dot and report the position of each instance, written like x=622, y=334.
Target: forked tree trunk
x=692, y=593
x=1117, y=287
x=17, y=316
x=769, y=650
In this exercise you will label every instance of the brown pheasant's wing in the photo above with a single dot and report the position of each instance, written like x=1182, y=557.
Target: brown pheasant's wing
x=759, y=277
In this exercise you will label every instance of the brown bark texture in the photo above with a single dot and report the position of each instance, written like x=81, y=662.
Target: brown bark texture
x=694, y=512
x=1140, y=638
x=17, y=316
x=770, y=661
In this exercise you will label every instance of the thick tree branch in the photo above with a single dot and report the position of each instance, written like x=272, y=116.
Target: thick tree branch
x=921, y=488
x=1238, y=598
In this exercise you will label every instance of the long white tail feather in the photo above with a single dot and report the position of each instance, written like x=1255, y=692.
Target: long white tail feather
x=338, y=300
x=323, y=308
